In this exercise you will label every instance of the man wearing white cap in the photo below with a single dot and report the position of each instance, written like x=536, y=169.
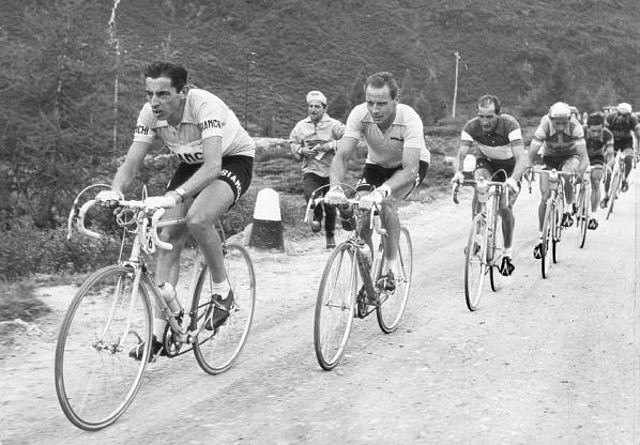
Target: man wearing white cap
x=314, y=141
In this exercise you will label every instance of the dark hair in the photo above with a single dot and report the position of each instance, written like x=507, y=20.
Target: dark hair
x=175, y=72
x=487, y=100
x=379, y=80
x=596, y=118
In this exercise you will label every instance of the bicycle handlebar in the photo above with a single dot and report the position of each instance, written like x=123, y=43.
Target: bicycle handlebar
x=134, y=205
x=457, y=185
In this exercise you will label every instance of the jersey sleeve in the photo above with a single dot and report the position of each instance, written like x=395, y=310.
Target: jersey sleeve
x=211, y=118
x=354, y=126
x=467, y=132
x=543, y=130
x=144, y=125
x=512, y=127
x=415, y=132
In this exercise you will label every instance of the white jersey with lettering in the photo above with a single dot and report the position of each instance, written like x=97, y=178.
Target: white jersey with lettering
x=205, y=115
x=385, y=149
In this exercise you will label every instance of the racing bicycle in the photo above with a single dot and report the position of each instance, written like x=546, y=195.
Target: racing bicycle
x=615, y=186
x=583, y=206
x=353, y=286
x=552, y=223
x=485, y=244
x=111, y=314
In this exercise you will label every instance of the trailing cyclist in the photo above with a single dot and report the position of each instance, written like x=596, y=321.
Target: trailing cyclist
x=623, y=125
x=599, y=142
x=397, y=159
x=565, y=150
x=500, y=148
x=216, y=166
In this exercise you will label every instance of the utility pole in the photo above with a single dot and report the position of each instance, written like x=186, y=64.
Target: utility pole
x=455, y=87
x=246, y=84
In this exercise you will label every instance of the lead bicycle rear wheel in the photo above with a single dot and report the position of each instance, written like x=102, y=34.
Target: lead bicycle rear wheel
x=583, y=215
x=614, y=189
x=476, y=267
x=394, y=303
x=335, y=306
x=217, y=350
x=95, y=378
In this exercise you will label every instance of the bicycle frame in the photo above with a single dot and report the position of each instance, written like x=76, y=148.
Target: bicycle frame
x=145, y=242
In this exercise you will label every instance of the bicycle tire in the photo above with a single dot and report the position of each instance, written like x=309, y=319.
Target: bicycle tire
x=614, y=189
x=335, y=306
x=475, y=269
x=217, y=350
x=558, y=228
x=547, y=235
x=583, y=216
x=496, y=247
x=95, y=378
x=391, y=310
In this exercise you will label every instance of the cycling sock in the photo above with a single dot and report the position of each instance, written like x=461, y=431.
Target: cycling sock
x=221, y=289
x=159, y=326
x=506, y=252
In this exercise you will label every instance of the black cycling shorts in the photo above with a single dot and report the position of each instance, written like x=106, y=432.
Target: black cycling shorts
x=622, y=144
x=237, y=171
x=375, y=175
x=556, y=162
x=495, y=165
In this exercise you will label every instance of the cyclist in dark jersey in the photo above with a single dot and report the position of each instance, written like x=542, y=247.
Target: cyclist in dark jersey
x=500, y=148
x=623, y=124
x=599, y=142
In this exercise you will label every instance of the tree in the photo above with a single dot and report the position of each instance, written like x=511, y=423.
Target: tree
x=559, y=84
x=57, y=81
x=606, y=95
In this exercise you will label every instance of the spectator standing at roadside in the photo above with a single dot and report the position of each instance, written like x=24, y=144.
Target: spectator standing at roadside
x=314, y=142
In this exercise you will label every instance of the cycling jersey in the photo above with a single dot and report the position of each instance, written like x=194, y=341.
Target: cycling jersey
x=385, y=149
x=559, y=144
x=327, y=129
x=621, y=126
x=205, y=115
x=596, y=147
x=497, y=143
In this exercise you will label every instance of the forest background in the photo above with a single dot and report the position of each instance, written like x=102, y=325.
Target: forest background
x=71, y=86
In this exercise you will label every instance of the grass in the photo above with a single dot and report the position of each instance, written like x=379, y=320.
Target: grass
x=18, y=301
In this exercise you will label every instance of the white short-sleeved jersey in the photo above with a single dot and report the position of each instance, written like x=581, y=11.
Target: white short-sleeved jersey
x=205, y=115
x=559, y=144
x=385, y=149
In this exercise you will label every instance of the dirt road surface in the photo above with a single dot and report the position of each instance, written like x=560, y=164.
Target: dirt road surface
x=550, y=361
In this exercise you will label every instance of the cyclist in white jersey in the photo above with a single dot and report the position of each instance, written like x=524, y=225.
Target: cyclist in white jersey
x=216, y=166
x=397, y=157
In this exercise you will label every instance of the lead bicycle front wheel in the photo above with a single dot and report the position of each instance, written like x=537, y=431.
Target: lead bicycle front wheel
x=95, y=377
x=335, y=306
x=476, y=266
x=217, y=350
x=394, y=303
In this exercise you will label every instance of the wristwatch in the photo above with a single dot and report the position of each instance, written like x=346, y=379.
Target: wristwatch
x=180, y=191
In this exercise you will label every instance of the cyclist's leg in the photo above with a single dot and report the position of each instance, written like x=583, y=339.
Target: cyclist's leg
x=596, y=178
x=310, y=182
x=484, y=170
x=628, y=161
x=569, y=166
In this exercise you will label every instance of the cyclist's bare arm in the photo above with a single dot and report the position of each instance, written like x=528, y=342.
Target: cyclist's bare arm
x=404, y=178
x=463, y=149
x=581, y=147
x=132, y=162
x=210, y=170
x=534, y=148
x=340, y=163
x=522, y=162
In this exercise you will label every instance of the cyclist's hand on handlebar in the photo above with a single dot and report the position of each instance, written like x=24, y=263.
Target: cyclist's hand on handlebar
x=164, y=202
x=109, y=197
x=367, y=201
x=335, y=196
x=458, y=177
x=512, y=184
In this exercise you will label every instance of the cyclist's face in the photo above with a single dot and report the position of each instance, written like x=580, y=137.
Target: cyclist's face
x=380, y=105
x=559, y=124
x=166, y=103
x=595, y=131
x=316, y=110
x=487, y=117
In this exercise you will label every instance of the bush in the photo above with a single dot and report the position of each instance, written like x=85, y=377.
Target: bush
x=18, y=301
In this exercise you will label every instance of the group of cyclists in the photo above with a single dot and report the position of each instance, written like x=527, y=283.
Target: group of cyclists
x=559, y=142
x=216, y=155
